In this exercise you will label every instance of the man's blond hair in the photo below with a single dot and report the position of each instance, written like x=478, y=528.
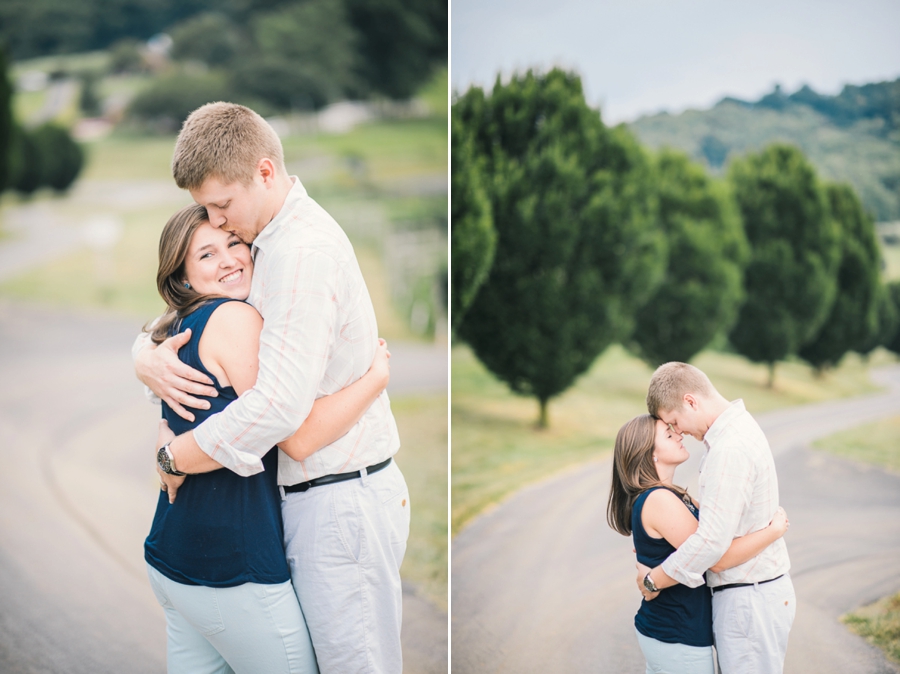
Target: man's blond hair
x=224, y=141
x=671, y=382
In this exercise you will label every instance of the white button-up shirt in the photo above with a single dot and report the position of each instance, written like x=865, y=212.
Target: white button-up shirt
x=319, y=336
x=738, y=495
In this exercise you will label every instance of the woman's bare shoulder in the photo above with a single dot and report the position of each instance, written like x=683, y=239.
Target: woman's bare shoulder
x=663, y=499
x=235, y=318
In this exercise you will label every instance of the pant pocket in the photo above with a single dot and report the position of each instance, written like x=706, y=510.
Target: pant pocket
x=156, y=584
x=199, y=605
x=347, y=520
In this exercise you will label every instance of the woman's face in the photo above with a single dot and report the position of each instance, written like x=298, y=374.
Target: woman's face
x=668, y=447
x=218, y=263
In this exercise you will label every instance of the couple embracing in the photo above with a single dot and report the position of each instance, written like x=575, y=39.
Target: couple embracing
x=713, y=572
x=282, y=518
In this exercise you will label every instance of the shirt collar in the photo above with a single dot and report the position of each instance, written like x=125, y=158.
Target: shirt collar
x=296, y=194
x=735, y=409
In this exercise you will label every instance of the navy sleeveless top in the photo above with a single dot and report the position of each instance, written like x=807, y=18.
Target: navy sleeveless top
x=679, y=614
x=223, y=529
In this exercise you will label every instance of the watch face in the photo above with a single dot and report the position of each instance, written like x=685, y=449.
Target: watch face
x=162, y=458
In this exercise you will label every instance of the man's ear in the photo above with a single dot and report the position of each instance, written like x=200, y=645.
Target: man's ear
x=690, y=400
x=266, y=170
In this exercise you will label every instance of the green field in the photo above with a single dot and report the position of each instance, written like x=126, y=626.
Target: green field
x=874, y=443
x=497, y=449
x=422, y=423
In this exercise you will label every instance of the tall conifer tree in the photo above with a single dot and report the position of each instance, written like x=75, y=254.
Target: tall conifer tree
x=577, y=249
x=791, y=280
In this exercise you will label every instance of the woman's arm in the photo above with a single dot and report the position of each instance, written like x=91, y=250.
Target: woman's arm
x=664, y=516
x=745, y=548
x=231, y=353
x=332, y=416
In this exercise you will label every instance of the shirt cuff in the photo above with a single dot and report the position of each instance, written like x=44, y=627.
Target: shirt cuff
x=244, y=464
x=683, y=576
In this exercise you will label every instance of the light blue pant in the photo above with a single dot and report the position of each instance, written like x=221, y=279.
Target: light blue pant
x=345, y=543
x=663, y=658
x=250, y=628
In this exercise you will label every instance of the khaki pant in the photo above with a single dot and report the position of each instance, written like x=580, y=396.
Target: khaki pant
x=751, y=626
x=345, y=543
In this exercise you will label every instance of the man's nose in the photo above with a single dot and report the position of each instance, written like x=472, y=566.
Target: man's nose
x=216, y=218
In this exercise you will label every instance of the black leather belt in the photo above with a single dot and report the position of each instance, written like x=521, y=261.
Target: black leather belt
x=339, y=477
x=730, y=585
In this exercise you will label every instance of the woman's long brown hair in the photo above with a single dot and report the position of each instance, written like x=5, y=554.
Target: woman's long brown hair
x=170, y=278
x=633, y=471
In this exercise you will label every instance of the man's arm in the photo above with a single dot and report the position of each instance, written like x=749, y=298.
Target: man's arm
x=727, y=490
x=295, y=343
x=332, y=416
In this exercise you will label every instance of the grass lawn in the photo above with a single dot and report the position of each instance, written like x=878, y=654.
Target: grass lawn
x=879, y=624
x=874, y=443
x=497, y=449
x=422, y=423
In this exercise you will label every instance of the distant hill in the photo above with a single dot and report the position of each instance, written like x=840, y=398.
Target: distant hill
x=851, y=137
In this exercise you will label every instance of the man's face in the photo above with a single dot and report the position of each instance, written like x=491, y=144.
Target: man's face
x=235, y=207
x=685, y=419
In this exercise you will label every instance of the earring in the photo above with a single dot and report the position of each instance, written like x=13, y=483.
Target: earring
x=655, y=459
x=187, y=285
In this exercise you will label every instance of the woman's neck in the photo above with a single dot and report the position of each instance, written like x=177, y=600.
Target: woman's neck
x=666, y=474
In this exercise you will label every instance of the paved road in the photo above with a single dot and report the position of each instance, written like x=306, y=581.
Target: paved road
x=79, y=493
x=542, y=584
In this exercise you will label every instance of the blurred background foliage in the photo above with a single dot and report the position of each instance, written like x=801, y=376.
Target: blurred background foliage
x=92, y=94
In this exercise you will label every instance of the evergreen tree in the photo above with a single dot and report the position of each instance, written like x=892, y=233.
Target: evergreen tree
x=400, y=42
x=59, y=157
x=854, y=319
x=6, y=122
x=888, y=321
x=892, y=337
x=24, y=164
x=791, y=279
x=703, y=287
x=305, y=56
x=472, y=235
x=577, y=249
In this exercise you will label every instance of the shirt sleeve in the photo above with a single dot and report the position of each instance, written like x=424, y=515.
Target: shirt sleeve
x=299, y=326
x=142, y=340
x=727, y=490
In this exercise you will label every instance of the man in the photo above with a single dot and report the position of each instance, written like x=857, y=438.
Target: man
x=346, y=511
x=754, y=603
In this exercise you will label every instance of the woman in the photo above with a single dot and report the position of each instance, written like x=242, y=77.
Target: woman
x=215, y=555
x=674, y=630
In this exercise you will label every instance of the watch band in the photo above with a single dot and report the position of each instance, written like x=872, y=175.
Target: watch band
x=649, y=584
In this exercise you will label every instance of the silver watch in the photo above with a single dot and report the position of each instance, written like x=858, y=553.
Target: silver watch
x=649, y=584
x=167, y=462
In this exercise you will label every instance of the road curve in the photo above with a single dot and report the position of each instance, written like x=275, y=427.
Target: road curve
x=79, y=493
x=542, y=584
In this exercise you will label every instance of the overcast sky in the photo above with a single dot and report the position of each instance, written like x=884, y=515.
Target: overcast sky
x=642, y=56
